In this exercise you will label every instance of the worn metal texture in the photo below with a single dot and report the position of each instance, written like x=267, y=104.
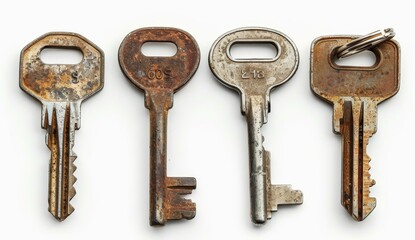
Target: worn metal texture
x=254, y=79
x=159, y=78
x=61, y=88
x=355, y=93
x=253, y=76
x=61, y=82
x=151, y=73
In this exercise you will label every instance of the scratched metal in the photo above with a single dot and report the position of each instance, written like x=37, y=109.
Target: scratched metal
x=253, y=79
x=355, y=93
x=159, y=78
x=61, y=88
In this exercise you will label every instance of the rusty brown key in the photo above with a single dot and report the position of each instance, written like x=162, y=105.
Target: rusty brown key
x=160, y=78
x=355, y=92
x=61, y=88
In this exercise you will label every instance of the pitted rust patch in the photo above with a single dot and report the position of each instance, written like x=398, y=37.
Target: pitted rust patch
x=83, y=79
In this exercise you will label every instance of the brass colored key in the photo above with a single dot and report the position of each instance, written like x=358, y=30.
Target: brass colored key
x=355, y=93
x=61, y=89
x=160, y=78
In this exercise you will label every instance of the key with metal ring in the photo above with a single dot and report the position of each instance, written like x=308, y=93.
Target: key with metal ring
x=61, y=88
x=355, y=92
x=160, y=77
x=254, y=79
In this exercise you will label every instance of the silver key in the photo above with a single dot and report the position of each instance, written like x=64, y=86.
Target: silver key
x=61, y=89
x=254, y=79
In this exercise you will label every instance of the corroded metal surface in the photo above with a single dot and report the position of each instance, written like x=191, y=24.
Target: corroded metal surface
x=61, y=89
x=61, y=82
x=355, y=93
x=254, y=79
x=159, y=78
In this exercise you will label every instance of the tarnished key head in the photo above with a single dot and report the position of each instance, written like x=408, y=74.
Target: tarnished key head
x=331, y=81
x=61, y=88
x=354, y=92
x=61, y=82
x=253, y=76
x=151, y=73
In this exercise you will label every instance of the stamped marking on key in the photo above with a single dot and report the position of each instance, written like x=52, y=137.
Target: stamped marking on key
x=254, y=79
x=355, y=93
x=61, y=88
x=159, y=78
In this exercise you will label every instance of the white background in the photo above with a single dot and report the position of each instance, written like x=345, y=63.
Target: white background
x=207, y=135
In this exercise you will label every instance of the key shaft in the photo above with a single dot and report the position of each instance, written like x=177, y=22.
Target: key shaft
x=356, y=127
x=60, y=121
x=165, y=203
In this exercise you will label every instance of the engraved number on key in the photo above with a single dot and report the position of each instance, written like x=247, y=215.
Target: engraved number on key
x=258, y=77
x=159, y=78
x=61, y=89
x=355, y=93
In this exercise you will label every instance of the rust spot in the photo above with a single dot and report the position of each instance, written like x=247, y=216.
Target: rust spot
x=70, y=82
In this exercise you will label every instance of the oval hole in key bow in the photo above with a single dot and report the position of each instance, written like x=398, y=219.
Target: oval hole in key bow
x=265, y=51
x=159, y=49
x=362, y=59
x=56, y=55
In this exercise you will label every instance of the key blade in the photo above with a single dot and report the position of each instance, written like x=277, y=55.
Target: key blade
x=356, y=177
x=60, y=121
x=178, y=207
x=281, y=194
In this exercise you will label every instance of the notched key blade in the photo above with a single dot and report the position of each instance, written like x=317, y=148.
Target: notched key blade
x=178, y=207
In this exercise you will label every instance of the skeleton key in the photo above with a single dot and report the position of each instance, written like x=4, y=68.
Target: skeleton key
x=355, y=93
x=160, y=78
x=61, y=89
x=254, y=79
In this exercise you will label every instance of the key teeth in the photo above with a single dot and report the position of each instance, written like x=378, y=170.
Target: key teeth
x=370, y=202
x=72, y=191
x=283, y=195
x=178, y=207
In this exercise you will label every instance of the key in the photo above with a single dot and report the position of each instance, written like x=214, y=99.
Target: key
x=354, y=92
x=160, y=78
x=61, y=88
x=254, y=79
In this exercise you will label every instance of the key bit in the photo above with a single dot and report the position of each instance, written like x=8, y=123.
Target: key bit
x=355, y=92
x=254, y=79
x=160, y=78
x=61, y=89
